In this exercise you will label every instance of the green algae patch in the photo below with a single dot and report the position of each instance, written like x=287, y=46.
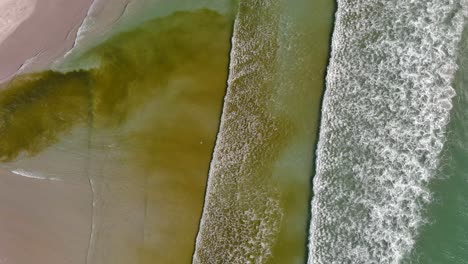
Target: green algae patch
x=139, y=64
x=133, y=67
x=37, y=108
x=155, y=94
x=172, y=138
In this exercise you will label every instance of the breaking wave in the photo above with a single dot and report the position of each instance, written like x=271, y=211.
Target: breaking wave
x=385, y=110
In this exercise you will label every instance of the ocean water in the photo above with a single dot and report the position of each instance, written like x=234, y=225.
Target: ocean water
x=384, y=125
x=445, y=238
x=256, y=205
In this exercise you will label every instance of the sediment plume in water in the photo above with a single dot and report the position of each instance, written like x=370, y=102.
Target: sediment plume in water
x=150, y=107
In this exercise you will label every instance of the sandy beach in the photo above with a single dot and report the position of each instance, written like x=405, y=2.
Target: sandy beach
x=46, y=34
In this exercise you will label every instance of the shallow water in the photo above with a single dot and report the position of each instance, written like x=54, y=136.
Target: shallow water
x=106, y=18
x=259, y=183
x=145, y=119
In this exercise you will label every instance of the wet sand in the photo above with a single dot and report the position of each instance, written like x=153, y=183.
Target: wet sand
x=42, y=221
x=48, y=33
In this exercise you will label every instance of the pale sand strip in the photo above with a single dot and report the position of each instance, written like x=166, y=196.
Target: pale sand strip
x=48, y=33
x=13, y=13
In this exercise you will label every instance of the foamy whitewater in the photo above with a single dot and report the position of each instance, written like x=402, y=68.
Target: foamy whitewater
x=257, y=196
x=384, y=116
x=239, y=224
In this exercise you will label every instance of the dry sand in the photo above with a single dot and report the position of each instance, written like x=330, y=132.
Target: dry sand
x=14, y=12
x=48, y=33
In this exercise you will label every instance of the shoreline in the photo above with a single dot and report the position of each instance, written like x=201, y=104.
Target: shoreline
x=39, y=40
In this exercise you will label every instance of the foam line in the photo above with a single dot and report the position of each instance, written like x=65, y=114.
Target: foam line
x=33, y=175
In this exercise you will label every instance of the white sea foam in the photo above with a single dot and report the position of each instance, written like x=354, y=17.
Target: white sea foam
x=34, y=175
x=384, y=115
x=242, y=212
x=12, y=14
